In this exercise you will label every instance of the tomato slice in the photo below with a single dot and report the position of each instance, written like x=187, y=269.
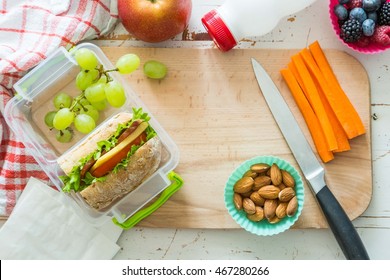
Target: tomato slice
x=116, y=158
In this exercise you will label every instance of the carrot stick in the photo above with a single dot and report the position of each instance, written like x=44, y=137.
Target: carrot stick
x=330, y=93
x=323, y=89
x=340, y=98
x=295, y=72
x=315, y=101
x=310, y=117
x=341, y=137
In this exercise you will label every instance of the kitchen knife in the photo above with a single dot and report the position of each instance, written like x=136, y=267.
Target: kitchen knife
x=341, y=226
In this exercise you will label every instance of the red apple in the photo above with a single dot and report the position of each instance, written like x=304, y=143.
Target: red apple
x=154, y=20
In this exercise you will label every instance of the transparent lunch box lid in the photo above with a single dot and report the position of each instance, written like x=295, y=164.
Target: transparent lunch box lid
x=25, y=113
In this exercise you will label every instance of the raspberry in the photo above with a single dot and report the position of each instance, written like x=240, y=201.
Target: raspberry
x=355, y=4
x=382, y=35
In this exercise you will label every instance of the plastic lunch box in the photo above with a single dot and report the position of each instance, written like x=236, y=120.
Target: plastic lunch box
x=25, y=113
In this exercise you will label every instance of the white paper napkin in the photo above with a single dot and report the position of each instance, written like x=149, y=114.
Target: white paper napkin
x=44, y=225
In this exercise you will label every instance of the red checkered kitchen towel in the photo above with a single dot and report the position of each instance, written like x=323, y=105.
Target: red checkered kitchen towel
x=29, y=31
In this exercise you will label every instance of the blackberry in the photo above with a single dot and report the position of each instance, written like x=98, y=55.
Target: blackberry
x=384, y=14
x=351, y=31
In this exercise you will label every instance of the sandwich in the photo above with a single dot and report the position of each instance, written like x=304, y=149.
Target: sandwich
x=113, y=160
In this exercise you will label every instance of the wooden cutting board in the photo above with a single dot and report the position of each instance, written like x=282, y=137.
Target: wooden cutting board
x=212, y=107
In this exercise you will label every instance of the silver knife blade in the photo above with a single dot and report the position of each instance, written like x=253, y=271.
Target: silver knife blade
x=309, y=164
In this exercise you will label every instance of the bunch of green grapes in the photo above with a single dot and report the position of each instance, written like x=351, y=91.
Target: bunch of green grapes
x=97, y=88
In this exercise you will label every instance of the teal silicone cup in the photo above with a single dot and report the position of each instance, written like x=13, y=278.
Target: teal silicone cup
x=263, y=228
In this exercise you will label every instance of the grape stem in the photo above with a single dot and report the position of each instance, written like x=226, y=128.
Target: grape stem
x=109, y=79
x=111, y=70
x=77, y=101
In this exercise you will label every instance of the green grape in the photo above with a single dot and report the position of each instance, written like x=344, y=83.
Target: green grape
x=86, y=78
x=155, y=70
x=127, y=63
x=84, y=123
x=62, y=100
x=77, y=107
x=100, y=105
x=86, y=59
x=84, y=101
x=49, y=117
x=102, y=79
x=115, y=94
x=90, y=111
x=79, y=103
x=64, y=136
x=95, y=93
x=63, y=119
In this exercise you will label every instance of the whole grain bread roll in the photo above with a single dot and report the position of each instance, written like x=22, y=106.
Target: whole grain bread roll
x=141, y=165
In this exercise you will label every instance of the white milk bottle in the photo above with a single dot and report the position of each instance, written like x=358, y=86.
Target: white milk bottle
x=237, y=19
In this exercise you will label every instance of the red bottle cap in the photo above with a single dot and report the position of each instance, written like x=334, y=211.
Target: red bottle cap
x=218, y=30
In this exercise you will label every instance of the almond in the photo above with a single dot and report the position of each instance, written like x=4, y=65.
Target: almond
x=260, y=167
x=274, y=220
x=250, y=173
x=288, y=179
x=243, y=185
x=281, y=210
x=281, y=186
x=249, y=206
x=269, y=192
x=257, y=216
x=276, y=175
x=292, y=207
x=237, y=200
x=266, y=192
x=247, y=194
x=286, y=194
x=270, y=208
x=261, y=181
x=257, y=199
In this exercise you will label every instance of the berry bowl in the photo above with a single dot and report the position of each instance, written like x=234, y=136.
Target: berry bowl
x=264, y=195
x=362, y=25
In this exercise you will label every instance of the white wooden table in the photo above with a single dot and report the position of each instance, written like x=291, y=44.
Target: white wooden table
x=295, y=31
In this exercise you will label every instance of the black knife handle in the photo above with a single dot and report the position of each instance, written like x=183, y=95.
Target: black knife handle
x=341, y=226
